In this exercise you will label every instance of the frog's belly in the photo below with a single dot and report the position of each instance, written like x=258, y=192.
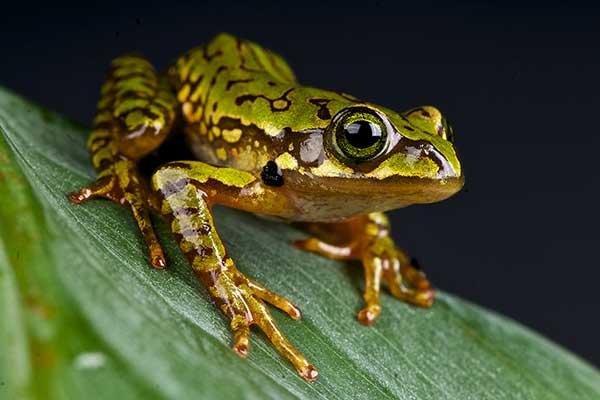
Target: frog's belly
x=323, y=207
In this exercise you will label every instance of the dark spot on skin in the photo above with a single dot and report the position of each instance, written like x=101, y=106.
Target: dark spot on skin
x=236, y=81
x=425, y=113
x=195, y=232
x=184, y=211
x=219, y=70
x=415, y=263
x=173, y=187
x=147, y=113
x=100, y=142
x=323, y=112
x=408, y=128
x=271, y=174
x=197, y=81
x=105, y=163
x=283, y=98
x=287, y=131
x=104, y=125
x=189, y=232
x=205, y=228
x=232, y=123
x=209, y=57
x=215, y=105
x=190, y=255
x=242, y=99
x=271, y=83
x=200, y=251
x=204, y=251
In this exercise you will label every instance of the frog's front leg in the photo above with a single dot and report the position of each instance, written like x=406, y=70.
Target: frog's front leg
x=188, y=190
x=135, y=114
x=367, y=238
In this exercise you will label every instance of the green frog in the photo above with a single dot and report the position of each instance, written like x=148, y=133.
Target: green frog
x=265, y=144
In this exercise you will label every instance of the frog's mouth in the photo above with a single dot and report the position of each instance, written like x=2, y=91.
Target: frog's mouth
x=397, y=191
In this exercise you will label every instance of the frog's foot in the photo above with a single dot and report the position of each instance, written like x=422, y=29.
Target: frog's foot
x=388, y=266
x=382, y=261
x=121, y=183
x=243, y=301
x=186, y=189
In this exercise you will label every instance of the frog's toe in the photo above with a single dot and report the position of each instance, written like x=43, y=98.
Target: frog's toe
x=369, y=314
x=421, y=298
x=244, y=303
x=325, y=249
x=273, y=298
x=417, y=290
x=267, y=324
x=309, y=373
x=414, y=275
x=241, y=335
x=103, y=187
x=243, y=300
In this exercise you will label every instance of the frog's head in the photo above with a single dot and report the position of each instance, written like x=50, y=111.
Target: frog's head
x=374, y=159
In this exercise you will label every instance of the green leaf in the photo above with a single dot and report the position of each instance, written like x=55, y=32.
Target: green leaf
x=83, y=315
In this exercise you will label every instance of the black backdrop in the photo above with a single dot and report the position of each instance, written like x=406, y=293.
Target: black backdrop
x=519, y=82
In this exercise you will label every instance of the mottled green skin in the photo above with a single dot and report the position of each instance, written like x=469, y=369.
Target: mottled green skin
x=236, y=86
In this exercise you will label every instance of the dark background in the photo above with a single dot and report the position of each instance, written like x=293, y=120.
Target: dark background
x=519, y=82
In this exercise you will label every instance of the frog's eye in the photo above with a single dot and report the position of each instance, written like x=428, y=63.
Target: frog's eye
x=359, y=135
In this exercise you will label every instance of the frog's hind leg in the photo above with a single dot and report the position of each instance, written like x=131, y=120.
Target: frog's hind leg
x=135, y=114
x=188, y=190
x=367, y=239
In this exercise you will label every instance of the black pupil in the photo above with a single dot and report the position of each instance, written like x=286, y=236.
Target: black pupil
x=362, y=134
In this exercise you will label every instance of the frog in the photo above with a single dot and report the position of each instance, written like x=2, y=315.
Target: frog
x=261, y=142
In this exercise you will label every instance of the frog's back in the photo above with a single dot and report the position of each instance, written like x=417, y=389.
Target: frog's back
x=215, y=85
